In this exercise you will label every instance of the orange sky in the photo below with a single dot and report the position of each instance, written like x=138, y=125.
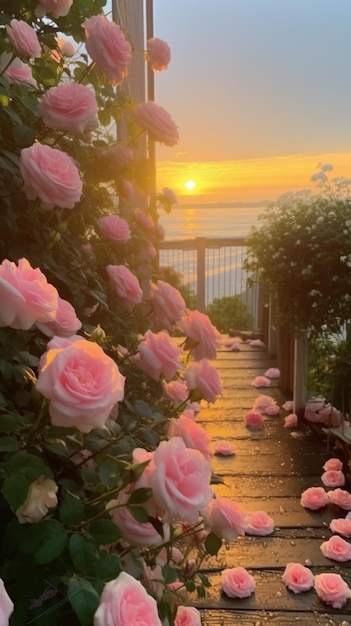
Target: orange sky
x=249, y=180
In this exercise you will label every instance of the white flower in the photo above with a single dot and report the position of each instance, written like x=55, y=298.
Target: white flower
x=41, y=497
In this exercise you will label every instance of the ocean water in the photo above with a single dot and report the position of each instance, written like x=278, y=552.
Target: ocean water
x=209, y=221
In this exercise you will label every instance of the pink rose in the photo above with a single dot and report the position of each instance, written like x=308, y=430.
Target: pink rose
x=263, y=402
x=125, y=601
x=235, y=347
x=167, y=302
x=273, y=409
x=314, y=498
x=341, y=498
x=224, y=448
x=330, y=416
x=203, y=377
x=157, y=122
x=254, y=420
x=169, y=195
x=261, y=381
x=176, y=390
x=26, y=296
x=298, y=578
x=133, y=531
x=16, y=72
x=6, y=605
x=272, y=372
x=23, y=38
x=193, y=435
x=336, y=548
x=144, y=220
x=58, y=8
x=187, y=616
x=66, y=47
x=70, y=107
x=291, y=420
x=157, y=355
x=203, y=338
x=333, y=478
x=119, y=157
x=224, y=518
x=332, y=589
x=288, y=405
x=333, y=464
x=257, y=343
x=258, y=523
x=158, y=54
x=50, y=175
x=341, y=526
x=81, y=381
x=126, y=285
x=180, y=481
x=65, y=324
x=236, y=582
x=115, y=228
x=108, y=47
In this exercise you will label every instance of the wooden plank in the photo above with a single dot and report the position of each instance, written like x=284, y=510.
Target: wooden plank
x=266, y=486
x=240, y=617
x=273, y=464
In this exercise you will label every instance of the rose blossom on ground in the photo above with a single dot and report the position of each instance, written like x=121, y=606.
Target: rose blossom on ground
x=254, y=420
x=158, y=54
x=187, y=616
x=291, y=421
x=58, y=8
x=126, y=285
x=271, y=410
x=333, y=478
x=69, y=107
x=50, y=175
x=261, y=381
x=125, y=601
x=23, y=38
x=81, y=382
x=204, y=378
x=157, y=122
x=157, y=355
x=108, y=47
x=288, y=405
x=224, y=518
x=258, y=523
x=193, y=435
x=40, y=498
x=332, y=589
x=26, y=296
x=336, y=548
x=333, y=464
x=203, y=338
x=6, y=605
x=272, y=372
x=298, y=578
x=236, y=582
x=341, y=497
x=262, y=402
x=65, y=324
x=342, y=526
x=167, y=302
x=115, y=228
x=224, y=448
x=314, y=498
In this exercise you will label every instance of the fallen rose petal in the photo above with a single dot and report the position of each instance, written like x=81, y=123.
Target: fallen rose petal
x=290, y=421
x=261, y=381
x=224, y=448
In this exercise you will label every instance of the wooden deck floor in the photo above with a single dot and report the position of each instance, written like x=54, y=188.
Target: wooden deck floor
x=270, y=470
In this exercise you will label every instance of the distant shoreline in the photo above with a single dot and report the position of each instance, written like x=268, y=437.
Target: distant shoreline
x=222, y=205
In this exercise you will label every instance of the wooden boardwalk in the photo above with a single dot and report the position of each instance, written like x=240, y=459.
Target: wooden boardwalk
x=270, y=470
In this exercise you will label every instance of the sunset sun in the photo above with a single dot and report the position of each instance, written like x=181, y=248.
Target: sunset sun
x=190, y=185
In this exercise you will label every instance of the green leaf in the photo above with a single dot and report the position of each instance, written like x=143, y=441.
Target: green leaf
x=72, y=510
x=169, y=574
x=140, y=514
x=23, y=135
x=45, y=540
x=84, y=599
x=83, y=553
x=139, y=496
x=8, y=444
x=212, y=544
x=15, y=489
x=108, y=567
x=104, y=532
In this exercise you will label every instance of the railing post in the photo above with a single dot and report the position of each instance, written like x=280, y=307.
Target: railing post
x=200, y=263
x=300, y=373
x=272, y=327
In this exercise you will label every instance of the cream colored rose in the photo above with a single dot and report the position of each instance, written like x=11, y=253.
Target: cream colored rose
x=41, y=497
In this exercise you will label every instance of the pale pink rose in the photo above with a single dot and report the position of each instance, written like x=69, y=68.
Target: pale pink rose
x=108, y=47
x=254, y=420
x=341, y=526
x=115, y=228
x=224, y=518
x=120, y=157
x=336, y=548
x=152, y=580
x=158, y=355
x=70, y=107
x=40, y=498
x=288, y=405
x=314, y=405
x=257, y=343
x=167, y=302
x=341, y=498
x=291, y=420
x=176, y=390
x=157, y=122
x=17, y=72
x=169, y=195
x=332, y=589
x=235, y=347
x=261, y=381
x=316, y=411
x=66, y=47
x=272, y=372
x=195, y=406
x=125, y=601
x=333, y=464
x=81, y=381
x=258, y=523
x=126, y=285
x=23, y=38
x=188, y=412
x=180, y=481
x=193, y=435
x=65, y=324
x=273, y=409
x=236, y=582
x=126, y=190
x=187, y=616
x=333, y=478
x=331, y=416
x=144, y=220
x=224, y=448
x=158, y=54
x=6, y=605
x=203, y=377
x=58, y=8
x=133, y=531
x=203, y=338
x=314, y=498
x=50, y=175
x=263, y=402
x=298, y=578
x=26, y=296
